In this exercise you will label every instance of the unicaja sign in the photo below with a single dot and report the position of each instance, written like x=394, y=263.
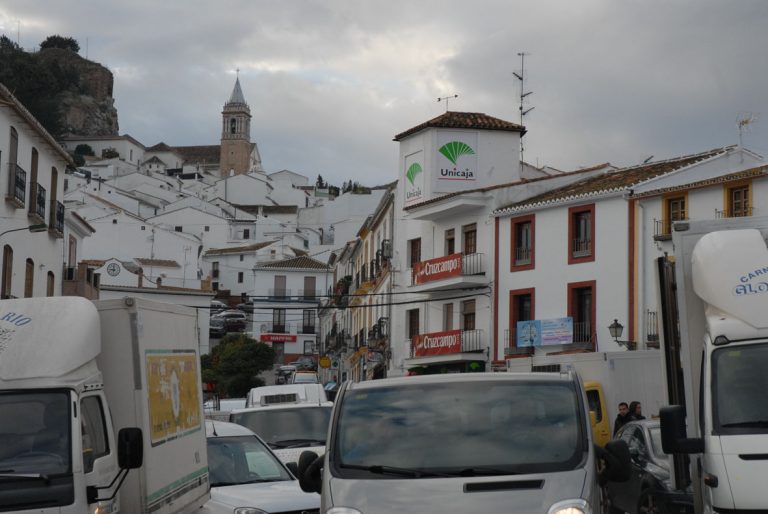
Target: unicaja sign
x=453, y=151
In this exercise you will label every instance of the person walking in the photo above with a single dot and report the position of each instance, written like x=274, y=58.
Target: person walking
x=635, y=411
x=623, y=417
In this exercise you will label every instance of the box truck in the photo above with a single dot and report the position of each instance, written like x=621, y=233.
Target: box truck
x=100, y=407
x=609, y=378
x=714, y=305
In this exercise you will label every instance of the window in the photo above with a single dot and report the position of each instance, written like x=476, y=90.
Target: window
x=309, y=288
x=207, y=228
x=214, y=270
x=50, y=284
x=414, y=251
x=413, y=323
x=5, y=286
x=33, y=185
x=215, y=286
x=309, y=347
x=581, y=234
x=450, y=242
x=94, y=431
x=177, y=228
x=232, y=126
x=522, y=237
x=280, y=290
x=521, y=308
x=308, y=321
x=448, y=316
x=246, y=233
x=278, y=321
x=674, y=209
x=468, y=315
x=239, y=277
x=29, y=279
x=738, y=201
x=470, y=238
x=581, y=307
x=143, y=227
x=242, y=257
x=52, y=195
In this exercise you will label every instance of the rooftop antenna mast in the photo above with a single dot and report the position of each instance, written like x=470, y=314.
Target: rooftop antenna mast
x=523, y=94
x=744, y=121
x=446, y=98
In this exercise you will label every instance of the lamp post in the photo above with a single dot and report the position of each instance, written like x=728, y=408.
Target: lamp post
x=616, y=329
x=38, y=227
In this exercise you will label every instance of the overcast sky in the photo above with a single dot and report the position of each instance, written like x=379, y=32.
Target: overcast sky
x=331, y=82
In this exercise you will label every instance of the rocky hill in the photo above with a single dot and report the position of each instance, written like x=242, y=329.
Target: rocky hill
x=66, y=92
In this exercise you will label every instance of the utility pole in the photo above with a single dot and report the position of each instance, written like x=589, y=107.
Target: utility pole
x=523, y=94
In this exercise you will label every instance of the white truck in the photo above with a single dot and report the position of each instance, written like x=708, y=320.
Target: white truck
x=101, y=407
x=714, y=305
x=609, y=378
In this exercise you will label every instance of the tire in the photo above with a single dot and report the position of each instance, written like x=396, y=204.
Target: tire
x=606, y=506
x=648, y=502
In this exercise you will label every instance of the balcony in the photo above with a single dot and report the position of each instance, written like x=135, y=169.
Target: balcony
x=662, y=229
x=17, y=185
x=280, y=294
x=523, y=255
x=448, y=272
x=467, y=204
x=733, y=212
x=278, y=328
x=307, y=329
x=56, y=227
x=651, y=329
x=448, y=345
x=510, y=345
x=582, y=333
x=581, y=247
x=308, y=295
x=36, y=211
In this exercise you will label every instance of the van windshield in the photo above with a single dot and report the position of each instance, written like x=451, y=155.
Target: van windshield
x=287, y=428
x=740, y=389
x=462, y=429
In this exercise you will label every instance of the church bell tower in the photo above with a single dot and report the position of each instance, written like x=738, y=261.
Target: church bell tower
x=235, y=134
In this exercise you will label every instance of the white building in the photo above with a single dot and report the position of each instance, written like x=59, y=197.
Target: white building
x=32, y=179
x=129, y=149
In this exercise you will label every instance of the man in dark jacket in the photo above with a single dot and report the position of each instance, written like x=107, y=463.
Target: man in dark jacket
x=623, y=418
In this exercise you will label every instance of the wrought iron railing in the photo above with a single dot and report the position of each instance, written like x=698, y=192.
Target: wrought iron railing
x=582, y=332
x=279, y=328
x=651, y=326
x=17, y=183
x=734, y=213
x=37, y=201
x=58, y=221
x=581, y=247
x=308, y=294
x=522, y=255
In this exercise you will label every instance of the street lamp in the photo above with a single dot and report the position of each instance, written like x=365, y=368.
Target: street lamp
x=38, y=227
x=616, y=329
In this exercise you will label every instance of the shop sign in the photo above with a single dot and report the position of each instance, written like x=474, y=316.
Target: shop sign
x=278, y=338
x=437, y=343
x=437, y=269
x=544, y=332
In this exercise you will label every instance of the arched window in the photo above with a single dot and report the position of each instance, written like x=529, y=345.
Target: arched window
x=7, y=275
x=29, y=279
x=50, y=284
x=233, y=126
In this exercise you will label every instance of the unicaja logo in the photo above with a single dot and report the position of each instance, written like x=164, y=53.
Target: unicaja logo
x=452, y=151
x=413, y=170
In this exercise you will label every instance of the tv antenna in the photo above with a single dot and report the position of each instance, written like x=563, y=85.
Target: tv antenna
x=523, y=94
x=745, y=121
x=446, y=98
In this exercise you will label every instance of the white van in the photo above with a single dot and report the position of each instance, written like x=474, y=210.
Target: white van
x=475, y=442
x=290, y=418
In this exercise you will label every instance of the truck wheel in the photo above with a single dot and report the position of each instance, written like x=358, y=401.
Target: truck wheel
x=648, y=503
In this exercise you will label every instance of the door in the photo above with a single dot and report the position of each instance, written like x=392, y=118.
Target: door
x=279, y=349
x=601, y=427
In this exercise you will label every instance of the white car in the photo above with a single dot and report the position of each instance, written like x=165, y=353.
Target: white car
x=246, y=477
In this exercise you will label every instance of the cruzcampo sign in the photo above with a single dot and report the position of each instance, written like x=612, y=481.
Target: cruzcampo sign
x=437, y=343
x=456, y=161
x=437, y=269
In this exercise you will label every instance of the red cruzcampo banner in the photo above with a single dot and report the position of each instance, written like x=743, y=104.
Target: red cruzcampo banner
x=437, y=343
x=278, y=338
x=437, y=269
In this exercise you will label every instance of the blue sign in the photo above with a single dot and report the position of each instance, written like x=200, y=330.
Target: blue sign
x=544, y=332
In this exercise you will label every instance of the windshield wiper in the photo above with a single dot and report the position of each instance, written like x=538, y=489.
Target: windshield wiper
x=481, y=471
x=389, y=470
x=8, y=473
x=745, y=424
x=296, y=443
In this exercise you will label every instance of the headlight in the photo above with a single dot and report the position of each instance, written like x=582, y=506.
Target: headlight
x=570, y=507
x=342, y=510
x=249, y=510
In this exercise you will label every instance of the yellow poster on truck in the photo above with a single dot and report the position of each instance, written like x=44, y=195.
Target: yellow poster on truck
x=174, y=398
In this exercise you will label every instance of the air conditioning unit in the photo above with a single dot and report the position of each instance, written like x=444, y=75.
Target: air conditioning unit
x=386, y=248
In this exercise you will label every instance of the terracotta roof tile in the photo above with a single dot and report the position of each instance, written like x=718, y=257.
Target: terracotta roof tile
x=209, y=154
x=159, y=147
x=759, y=172
x=160, y=263
x=302, y=262
x=239, y=249
x=614, y=181
x=464, y=120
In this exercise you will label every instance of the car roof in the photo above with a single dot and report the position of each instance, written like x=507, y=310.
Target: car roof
x=283, y=406
x=215, y=428
x=462, y=377
x=645, y=423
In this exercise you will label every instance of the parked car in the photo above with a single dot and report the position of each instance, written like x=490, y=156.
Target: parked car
x=305, y=363
x=245, y=307
x=217, y=327
x=234, y=321
x=218, y=306
x=283, y=373
x=304, y=377
x=650, y=488
x=244, y=472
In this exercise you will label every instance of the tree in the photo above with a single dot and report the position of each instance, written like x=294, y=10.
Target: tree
x=79, y=159
x=109, y=153
x=56, y=41
x=320, y=183
x=235, y=363
x=84, y=149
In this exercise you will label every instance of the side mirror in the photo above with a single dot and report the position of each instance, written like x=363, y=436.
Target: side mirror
x=673, y=434
x=130, y=448
x=310, y=472
x=618, y=465
x=293, y=467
